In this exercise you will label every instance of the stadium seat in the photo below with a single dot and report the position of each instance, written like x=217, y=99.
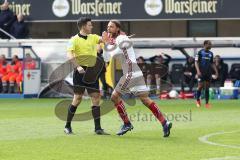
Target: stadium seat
x=235, y=71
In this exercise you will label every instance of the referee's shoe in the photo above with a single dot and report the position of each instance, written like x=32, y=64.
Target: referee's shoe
x=68, y=130
x=101, y=132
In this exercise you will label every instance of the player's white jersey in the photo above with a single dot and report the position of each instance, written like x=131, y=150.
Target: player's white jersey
x=124, y=49
x=132, y=80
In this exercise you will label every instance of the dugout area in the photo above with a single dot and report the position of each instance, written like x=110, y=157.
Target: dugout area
x=31, y=77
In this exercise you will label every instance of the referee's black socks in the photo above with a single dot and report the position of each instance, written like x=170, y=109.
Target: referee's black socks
x=71, y=111
x=207, y=95
x=96, y=116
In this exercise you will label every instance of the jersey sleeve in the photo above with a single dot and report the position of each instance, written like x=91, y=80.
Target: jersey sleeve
x=198, y=57
x=123, y=42
x=71, y=45
x=109, y=51
x=96, y=38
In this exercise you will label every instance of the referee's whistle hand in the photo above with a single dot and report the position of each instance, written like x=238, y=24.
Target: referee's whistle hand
x=80, y=69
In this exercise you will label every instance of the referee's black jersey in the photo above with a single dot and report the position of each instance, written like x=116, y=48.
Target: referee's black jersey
x=205, y=61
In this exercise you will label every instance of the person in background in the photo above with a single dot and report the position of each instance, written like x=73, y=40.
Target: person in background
x=29, y=62
x=222, y=71
x=3, y=69
x=143, y=66
x=159, y=70
x=6, y=19
x=19, y=28
x=189, y=73
x=13, y=75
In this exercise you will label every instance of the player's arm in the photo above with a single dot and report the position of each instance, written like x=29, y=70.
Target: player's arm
x=71, y=55
x=100, y=41
x=197, y=59
x=73, y=60
x=104, y=39
x=169, y=58
x=111, y=50
x=215, y=70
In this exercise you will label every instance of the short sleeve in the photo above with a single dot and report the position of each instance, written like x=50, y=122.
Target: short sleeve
x=123, y=41
x=71, y=45
x=198, y=56
x=96, y=38
x=110, y=51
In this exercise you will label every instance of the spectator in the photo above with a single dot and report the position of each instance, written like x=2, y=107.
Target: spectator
x=3, y=69
x=3, y=65
x=6, y=19
x=222, y=71
x=159, y=71
x=29, y=62
x=234, y=73
x=19, y=28
x=189, y=73
x=143, y=66
x=13, y=75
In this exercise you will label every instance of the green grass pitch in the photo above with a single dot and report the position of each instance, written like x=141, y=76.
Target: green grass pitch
x=29, y=130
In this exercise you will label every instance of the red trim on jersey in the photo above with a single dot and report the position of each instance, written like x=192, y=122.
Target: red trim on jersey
x=113, y=39
x=129, y=62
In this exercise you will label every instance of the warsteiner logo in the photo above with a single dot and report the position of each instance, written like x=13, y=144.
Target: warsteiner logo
x=190, y=7
x=60, y=8
x=153, y=7
x=96, y=7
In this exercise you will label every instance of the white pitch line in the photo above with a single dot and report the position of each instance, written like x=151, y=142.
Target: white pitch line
x=224, y=158
x=204, y=139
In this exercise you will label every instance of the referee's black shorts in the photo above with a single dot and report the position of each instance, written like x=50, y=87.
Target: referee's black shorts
x=87, y=80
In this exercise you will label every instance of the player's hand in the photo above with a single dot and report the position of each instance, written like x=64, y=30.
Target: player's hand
x=199, y=74
x=214, y=76
x=188, y=73
x=80, y=69
x=105, y=37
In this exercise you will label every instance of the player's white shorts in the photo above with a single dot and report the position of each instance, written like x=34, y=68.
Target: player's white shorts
x=132, y=83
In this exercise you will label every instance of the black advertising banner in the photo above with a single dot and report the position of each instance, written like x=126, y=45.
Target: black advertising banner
x=71, y=10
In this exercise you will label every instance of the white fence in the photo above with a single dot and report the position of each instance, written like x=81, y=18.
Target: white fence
x=53, y=51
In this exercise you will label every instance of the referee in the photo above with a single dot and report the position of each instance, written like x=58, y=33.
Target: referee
x=82, y=50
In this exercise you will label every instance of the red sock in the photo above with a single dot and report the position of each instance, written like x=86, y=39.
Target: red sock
x=157, y=113
x=122, y=112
